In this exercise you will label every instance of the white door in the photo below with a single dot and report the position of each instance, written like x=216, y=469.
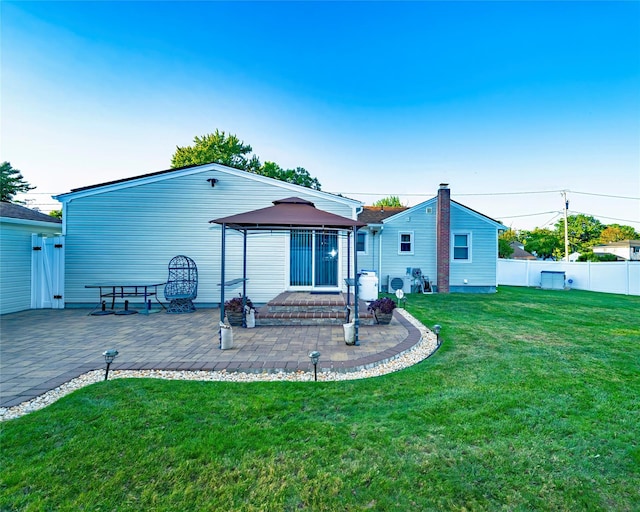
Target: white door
x=47, y=272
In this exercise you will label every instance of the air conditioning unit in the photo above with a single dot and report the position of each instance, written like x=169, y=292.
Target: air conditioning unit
x=400, y=283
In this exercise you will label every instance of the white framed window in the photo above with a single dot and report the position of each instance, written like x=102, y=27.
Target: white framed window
x=361, y=242
x=405, y=242
x=461, y=247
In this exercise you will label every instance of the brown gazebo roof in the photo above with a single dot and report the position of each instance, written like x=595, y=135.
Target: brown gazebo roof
x=289, y=213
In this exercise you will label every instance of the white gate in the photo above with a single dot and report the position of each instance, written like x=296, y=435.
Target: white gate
x=47, y=272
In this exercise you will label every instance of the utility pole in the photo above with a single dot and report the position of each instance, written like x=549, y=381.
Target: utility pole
x=566, y=227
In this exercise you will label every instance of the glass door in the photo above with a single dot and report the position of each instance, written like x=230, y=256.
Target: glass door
x=313, y=259
x=326, y=252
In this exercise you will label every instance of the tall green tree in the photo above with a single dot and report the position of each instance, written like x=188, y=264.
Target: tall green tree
x=215, y=147
x=542, y=242
x=11, y=183
x=389, y=201
x=228, y=150
x=583, y=231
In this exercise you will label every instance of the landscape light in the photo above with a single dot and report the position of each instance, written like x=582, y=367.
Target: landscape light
x=315, y=355
x=436, y=329
x=109, y=356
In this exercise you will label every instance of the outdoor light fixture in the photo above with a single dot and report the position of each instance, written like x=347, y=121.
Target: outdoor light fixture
x=213, y=182
x=315, y=355
x=436, y=329
x=109, y=356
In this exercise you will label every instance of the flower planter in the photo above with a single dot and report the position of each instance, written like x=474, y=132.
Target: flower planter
x=382, y=318
x=235, y=318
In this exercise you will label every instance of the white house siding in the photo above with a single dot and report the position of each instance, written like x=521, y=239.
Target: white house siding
x=480, y=273
x=423, y=226
x=130, y=232
x=15, y=255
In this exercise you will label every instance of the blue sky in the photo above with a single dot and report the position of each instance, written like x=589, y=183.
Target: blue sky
x=372, y=98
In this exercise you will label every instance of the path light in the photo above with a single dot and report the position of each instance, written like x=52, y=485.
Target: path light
x=436, y=329
x=315, y=355
x=109, y=356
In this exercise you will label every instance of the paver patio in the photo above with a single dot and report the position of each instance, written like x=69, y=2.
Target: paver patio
x=42, y=349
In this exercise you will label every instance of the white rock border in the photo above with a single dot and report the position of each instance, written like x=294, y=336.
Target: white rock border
x=426, y=346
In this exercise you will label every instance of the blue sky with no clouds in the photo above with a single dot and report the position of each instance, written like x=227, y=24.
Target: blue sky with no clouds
x=372, y=98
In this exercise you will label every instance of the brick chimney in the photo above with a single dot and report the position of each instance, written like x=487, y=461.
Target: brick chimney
x=443, y=237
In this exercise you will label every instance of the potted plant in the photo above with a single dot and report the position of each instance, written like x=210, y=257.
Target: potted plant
x=233, y=309
x=382, y=309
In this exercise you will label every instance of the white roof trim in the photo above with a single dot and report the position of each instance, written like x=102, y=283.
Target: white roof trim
x=135, y=182
x=433, y=201
x=34, y=223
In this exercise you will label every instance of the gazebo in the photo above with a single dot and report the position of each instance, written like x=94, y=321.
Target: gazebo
x=288, y=214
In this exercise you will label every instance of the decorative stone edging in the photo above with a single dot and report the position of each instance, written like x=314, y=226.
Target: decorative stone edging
x=424, y=348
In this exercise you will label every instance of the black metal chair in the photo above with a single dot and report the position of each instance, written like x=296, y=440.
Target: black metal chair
x=182, y=285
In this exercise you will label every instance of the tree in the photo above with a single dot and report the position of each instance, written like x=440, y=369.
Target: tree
x=228, y=150
x=56, y=214
x=214, y=148
x=504, y=243
x=297, y=176
x=583, y=231
x=12, y=183
x=542, y=242
x=616, y=232
x=390, y=202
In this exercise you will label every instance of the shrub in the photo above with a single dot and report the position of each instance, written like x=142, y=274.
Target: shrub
x=235, y=304
x=383, y=305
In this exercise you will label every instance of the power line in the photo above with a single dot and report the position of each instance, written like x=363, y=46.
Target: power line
x=526, y=215
x=604, y=195
x=605, y=217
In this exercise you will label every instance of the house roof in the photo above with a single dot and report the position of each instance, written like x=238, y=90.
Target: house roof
x=622, y=243
x=400, y=212
x=132, y=178
x=376, y=214
x=519, y=253
x=194, y=169
x=15, y=211
x=288, y=213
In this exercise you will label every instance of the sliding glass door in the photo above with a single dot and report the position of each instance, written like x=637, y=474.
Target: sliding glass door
x=313, y=259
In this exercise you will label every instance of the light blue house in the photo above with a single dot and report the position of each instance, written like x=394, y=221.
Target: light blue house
x=455, y=247
x=128, y=230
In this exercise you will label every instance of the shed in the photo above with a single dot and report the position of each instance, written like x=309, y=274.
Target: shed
x=31, y=259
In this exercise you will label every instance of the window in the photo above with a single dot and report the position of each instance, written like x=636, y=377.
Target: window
x=462, y=246
x=405, y=242
x=361, y=241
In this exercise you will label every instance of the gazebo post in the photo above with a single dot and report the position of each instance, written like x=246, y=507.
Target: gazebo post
x=348, y=268
x=244, y=278
x=222, y=251
x=356, y=318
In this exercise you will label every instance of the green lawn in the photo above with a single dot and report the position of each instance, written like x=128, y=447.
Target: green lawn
x=532, y=403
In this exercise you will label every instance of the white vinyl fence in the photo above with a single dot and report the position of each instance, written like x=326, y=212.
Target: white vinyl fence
x=608, y=276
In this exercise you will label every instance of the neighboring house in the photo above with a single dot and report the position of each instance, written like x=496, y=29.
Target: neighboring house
x=519, y=253
x=128, y=231
x=31, y=259
x=455, y=247
x=625, y=250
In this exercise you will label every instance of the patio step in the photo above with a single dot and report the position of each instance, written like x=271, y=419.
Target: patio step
x=296, y=308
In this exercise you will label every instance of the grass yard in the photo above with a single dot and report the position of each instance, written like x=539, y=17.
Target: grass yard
x=532, y=403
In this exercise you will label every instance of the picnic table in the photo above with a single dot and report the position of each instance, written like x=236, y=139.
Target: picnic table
x=125, y=290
